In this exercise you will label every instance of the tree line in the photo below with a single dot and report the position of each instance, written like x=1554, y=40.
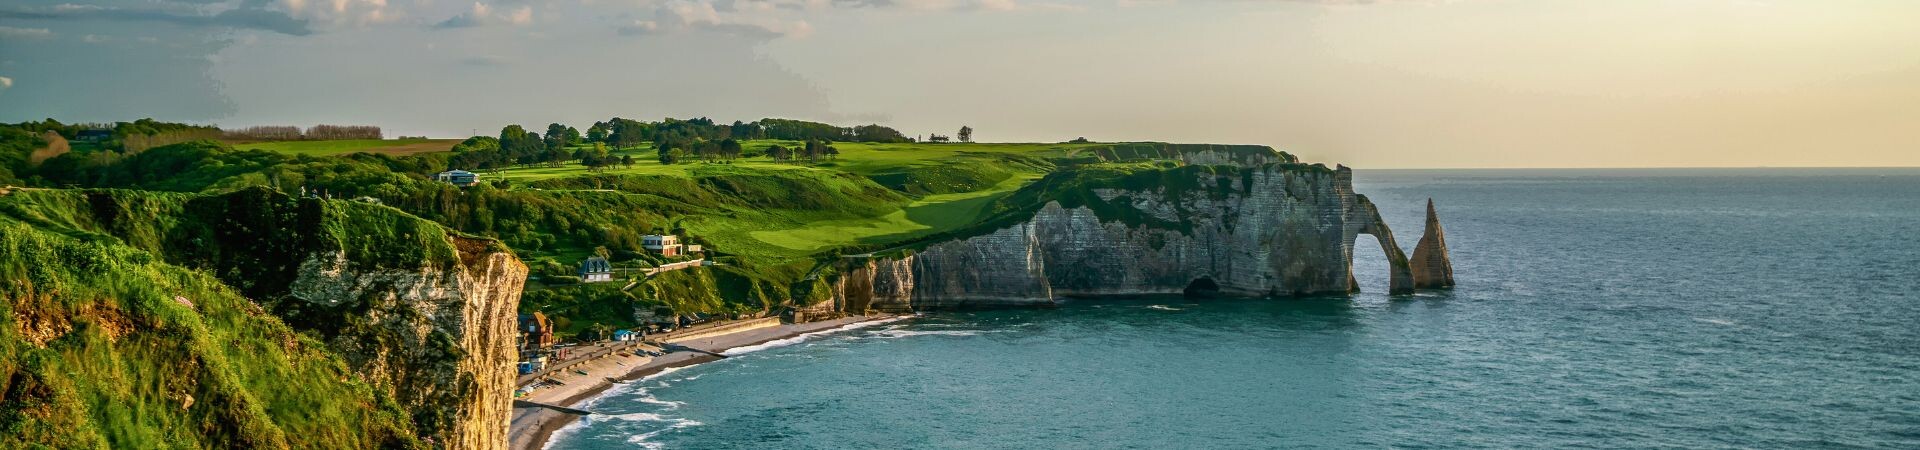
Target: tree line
x=293, y=133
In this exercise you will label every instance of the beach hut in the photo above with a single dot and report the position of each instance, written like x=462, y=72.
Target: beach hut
x=623, y=335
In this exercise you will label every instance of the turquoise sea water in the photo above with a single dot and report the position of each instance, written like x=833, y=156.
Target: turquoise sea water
x=1761, y=308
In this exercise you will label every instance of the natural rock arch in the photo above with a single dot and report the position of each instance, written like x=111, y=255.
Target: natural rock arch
x=1368, y=222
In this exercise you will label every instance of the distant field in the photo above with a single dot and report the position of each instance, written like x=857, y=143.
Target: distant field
x=341, y=147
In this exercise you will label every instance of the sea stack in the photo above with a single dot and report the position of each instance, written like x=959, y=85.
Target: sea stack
x=1432, y=268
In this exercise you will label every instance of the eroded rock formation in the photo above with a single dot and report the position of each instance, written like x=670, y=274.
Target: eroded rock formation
x=1265, y=231
x=441, y=338
x=1432, y=268
x=417, y=311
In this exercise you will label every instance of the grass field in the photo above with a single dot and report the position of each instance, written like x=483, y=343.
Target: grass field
x=341, y=147
x=951, y=186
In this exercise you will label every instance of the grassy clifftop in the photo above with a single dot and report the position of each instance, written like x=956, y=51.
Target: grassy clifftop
x=157, y=319
x=105, y=345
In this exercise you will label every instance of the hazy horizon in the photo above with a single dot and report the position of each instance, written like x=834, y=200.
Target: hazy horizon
x=1370, y=84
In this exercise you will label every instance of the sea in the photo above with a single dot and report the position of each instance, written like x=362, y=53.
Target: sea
x=1606, y=308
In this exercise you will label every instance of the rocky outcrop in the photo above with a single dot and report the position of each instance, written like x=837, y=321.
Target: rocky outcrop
x=1432, y=268
x=424, y=315
x=1266, y=231
x=440, y=338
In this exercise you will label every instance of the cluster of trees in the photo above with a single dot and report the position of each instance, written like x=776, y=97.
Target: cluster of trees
x=515, y=146
x=966, y=135
x=596, y=158
x=292, y=133
x=812, y=151
x=675, y=152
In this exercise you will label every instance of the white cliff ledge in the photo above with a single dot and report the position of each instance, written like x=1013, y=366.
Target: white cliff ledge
x=1271, y=230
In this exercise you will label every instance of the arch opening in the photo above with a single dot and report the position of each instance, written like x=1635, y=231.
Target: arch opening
x=1203, y=287
x=1369, y=270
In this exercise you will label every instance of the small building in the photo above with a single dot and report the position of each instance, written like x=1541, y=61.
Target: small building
x=624, y=335
x=665, y=245
x=693, y=248
x=95, y=135
x=596, y=270
x=459, y=178
x=535, y=335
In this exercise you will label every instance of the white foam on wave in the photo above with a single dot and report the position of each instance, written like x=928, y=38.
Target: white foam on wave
x=1715, y=321
x=632, y=386
x=776, y=343
x=897, y=333
x=1163, y=308
x=673, y=423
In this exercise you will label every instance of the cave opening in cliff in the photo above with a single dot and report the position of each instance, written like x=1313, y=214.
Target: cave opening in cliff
x=1202, y=287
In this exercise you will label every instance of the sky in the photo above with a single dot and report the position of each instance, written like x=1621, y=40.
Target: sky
x=1371, y=84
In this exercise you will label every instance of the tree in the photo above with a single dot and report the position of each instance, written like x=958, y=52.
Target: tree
x=629, y=133
x=966, y=133
x=626, y=161
x=779, y=153
x=599, y=132
x=557, y=137
x=672, y=156
x=730, y=149
x=522, y=146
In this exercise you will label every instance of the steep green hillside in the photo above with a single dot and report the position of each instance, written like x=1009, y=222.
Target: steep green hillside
x=105, y=345
x=132, y=259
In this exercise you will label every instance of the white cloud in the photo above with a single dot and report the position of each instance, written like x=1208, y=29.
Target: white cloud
x=764, y=20
x=482, y=14
x=25, y=33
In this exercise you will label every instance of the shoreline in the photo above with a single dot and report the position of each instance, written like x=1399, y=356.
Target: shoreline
x=530, y=427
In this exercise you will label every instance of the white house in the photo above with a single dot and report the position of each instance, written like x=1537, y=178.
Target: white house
x=595, y=270
x=665, y=245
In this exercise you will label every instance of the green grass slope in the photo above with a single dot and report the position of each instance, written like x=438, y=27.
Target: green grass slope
x=105, y=346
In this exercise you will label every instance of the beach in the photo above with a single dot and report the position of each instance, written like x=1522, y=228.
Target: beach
x=535, y=419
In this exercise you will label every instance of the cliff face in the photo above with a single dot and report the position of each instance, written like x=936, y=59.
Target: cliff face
x=423, y=316
x=1432, y=268
x=442, y=339
x=1270, y=230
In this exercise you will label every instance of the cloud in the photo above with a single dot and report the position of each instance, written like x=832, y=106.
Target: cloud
x=482, y=14
x=244, y=17
x=639, y=28
x=762, y=20
x=969, y=5
x=5, y=83
x=24, y=33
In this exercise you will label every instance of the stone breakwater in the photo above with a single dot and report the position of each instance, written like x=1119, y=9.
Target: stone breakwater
x=1273, y=230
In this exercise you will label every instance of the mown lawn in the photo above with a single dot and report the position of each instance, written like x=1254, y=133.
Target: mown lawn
x=345, y=146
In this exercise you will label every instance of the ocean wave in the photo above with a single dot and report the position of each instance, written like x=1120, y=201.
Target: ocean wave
x=1164, y=308
x=1715, y=321
x=673, y=423
x=736, y=351
x=897, y=333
